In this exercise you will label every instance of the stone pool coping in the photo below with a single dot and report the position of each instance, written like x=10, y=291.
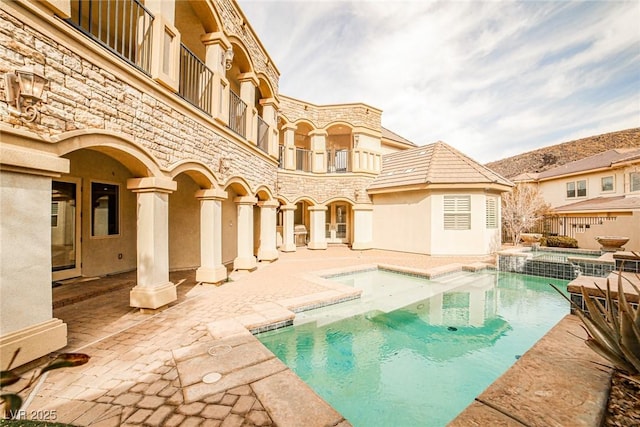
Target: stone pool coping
x=558, y=382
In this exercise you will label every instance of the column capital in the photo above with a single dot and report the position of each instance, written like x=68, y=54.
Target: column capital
x=152, y=184
x=317, y=208
x=28, y=161
x=216, y=38
x=211, y=194
x=362, y=207
x=273, y=204
x=249, y=77
x=288, y=207
x=270, y=102
x=245, y=200
x=289, y=126
x=318, y=132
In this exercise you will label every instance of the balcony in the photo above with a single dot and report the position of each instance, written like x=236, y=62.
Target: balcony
x=237, y=114
x=196, y=81
x=263, y=135
x=123, y=27
x=338, y=161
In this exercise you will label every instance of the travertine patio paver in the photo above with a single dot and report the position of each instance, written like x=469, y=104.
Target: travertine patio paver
x=140, y=357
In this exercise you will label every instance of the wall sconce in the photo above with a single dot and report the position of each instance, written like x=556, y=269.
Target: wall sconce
x=23, y=89
x=225, y=164
x=227, y=58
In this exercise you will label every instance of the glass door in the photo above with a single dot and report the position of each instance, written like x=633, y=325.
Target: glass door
x=65, y=229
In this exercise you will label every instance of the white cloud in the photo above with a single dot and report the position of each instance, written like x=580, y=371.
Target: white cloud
x=491, y=78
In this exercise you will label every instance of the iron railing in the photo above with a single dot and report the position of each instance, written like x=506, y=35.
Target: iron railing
x=338, y=161
x=263, y=135
x=196, y=81
x=303, y=160
x=124, y=27
x=281, y=156
x=237, y=114
x=562, y=226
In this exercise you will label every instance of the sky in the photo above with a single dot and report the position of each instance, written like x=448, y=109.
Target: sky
x=491, y=78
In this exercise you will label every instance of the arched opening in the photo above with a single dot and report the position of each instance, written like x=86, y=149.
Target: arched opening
x=339, y=148
x=339, y=222
x=302, y=142
x=184, y=224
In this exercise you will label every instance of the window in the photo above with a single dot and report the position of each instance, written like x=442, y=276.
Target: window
x=492, y=212
x=104, y=209
x=54, y=214
x=607, y=183
x=634, y=181
x=457, y=212
x=577, y=189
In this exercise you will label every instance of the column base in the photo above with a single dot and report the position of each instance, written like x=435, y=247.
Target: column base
x=245, y=263
x=288, y=247
x=211, y=275
x=361, y=246
x=152, y=297
x=267, y=254
x=33, y=341
x=317, y=245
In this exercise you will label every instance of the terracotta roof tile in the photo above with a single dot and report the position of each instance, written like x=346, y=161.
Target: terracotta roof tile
x=436, y=163
x=387, y=134
x=598, y=161
x=603, y=204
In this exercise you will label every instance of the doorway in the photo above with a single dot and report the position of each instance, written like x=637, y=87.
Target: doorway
x=65, y=229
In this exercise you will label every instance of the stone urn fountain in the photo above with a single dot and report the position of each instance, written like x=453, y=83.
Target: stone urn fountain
x=612, y=243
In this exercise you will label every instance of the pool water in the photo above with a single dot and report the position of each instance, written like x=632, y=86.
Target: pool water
x=413, y=351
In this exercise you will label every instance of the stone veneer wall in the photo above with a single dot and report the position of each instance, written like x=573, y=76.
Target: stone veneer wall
x=321, y=116
x=233, y=23
x=82, y=95
x=322, y=188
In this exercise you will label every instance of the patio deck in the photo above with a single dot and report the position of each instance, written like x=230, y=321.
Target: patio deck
x=151, y=369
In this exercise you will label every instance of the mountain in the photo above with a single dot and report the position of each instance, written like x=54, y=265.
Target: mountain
x=557, y=155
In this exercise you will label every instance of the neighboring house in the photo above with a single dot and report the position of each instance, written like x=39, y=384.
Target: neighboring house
x=436, y=200
x=163, y=143
x=595, y=196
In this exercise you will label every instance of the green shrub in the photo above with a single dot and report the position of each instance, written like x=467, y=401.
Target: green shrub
x=543, y=241
x=561, y=242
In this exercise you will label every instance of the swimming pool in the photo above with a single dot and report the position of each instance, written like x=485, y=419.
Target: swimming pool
x=413, y=351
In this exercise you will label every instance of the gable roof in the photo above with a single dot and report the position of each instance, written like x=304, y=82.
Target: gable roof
x=599, y=161
x=436, y=163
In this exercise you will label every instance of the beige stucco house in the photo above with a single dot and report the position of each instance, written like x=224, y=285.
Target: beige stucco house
x=596, y=196
x=161, y=142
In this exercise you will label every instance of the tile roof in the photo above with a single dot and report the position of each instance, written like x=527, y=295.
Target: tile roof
x=436, y=163
x=387, y=134
x=603, y=204
x=598, y=161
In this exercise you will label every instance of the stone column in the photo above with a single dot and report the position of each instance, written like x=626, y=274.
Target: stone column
x=318, y=151
x=153, y=290
x=26, y=313
x=245, y=259
x=248, y=84
x=211, y=269
x=269, y=115
x=289, y=147
x=362, y=226
x=288, y=242
x=317, y=239
x=216, y=44
x=267, y=250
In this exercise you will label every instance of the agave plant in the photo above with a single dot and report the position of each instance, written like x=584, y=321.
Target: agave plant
x=10, y=403
x=613, y=329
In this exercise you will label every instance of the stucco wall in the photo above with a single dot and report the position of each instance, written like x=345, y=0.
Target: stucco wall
x=627, y=225
x=401, y=222
x=100, y=254
x=184, y=225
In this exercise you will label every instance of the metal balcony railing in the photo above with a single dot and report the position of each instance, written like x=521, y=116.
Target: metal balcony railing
x=237, y=114
x=124, y=27
x=280, y=156
x=303, y=160
x=263, y=135
x=338, y=161
x=196, y=81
